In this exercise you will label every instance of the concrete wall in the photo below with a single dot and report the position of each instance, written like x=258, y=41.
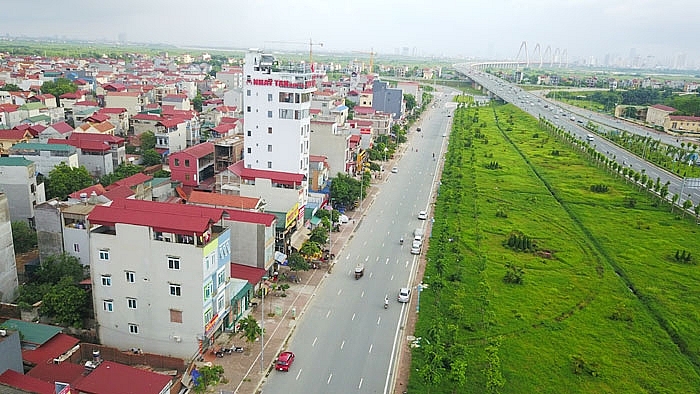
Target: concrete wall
x=48, y=229
x=8, y=268
x=10, y=353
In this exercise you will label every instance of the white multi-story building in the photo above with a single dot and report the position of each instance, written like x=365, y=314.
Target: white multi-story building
x=160, y=275
x=277, y=100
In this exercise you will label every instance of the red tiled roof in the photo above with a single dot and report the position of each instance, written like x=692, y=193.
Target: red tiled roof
x=286, y=178
x=113, y=378
x=14, y=135
x=62, y=127
x=314, y=111
x=98, y=189
x=361, y=122
x=363, y=110
x=664, y=107
x=685, y=118
x=65, y=372
x=170, y=122
x=228, y=119
x=119, y=192
x=97, y=117
x=146, y=117
x=222, y=200
x=53, y=348
x=8, y=107
x=355, y=138
x=27, y=383
x=224, y=128
x=87, y=103
x=175, y=97
x=123, y=94
x=111, y=110
x=102, y=138
x=317, y=158
x=200, y=150
x=132, y=181
x=252, y=274
x=173, y=218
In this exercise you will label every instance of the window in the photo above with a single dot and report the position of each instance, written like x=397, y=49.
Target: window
x=76, y=248
x=208, y=315
x=104, y=254
x=133, y=328
x=108, y=305
x=130, y=276
x=220, y=278
x=269, y=114
x=175, y=290
x=269, y=97
x=269, y=164
x=173, y=263
x=269, y=130
x=208, y=288
x=131, y=302
x=187, y=162
x=106, y=280
x=187, y=177
x=249, y=150
x=250, y=133
x=269, y=148
x=220, y=303
x=175, y=316
x=248, y=108
x=247, y=93
x=177, y=162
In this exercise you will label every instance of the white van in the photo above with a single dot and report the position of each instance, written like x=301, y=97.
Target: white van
x=589, y=137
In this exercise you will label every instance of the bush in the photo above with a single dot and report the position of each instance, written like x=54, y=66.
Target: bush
x=514, y=274
x=599, y=188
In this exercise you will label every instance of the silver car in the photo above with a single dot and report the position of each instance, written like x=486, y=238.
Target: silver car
x=404, y=294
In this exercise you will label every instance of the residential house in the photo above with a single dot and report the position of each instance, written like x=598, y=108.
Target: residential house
x=62, y=227
x=10, y=116
x=56, y=131
x=18, y=182
x=171, y=135
x=193, y=165
x=119, y=117
x=227, y=151
x=682, y=124
x=160, y=274
x=133, y=102
x=8, y=138
x=178, y=101
x=141, y=123
x=104, y=127
x=332, y=142
x=46, y=156
x=388, y=100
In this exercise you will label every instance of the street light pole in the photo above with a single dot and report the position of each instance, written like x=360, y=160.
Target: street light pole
x=262, y=325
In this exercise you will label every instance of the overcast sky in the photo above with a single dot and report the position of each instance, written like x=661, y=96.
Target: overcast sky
x=492, y=29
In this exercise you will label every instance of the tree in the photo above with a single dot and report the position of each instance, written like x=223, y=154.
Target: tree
x=59, y=87
x=148, y=141
x=64, y=180
x=319, y=235
x=66, y=302
x=56, y=267
x=23, y=237
x=124, y=170
x=250, y=329
x=297, y=262
x=345, y=190
x=208, y=376
x=197, y=102
x=150, y=157
x=687, y=204
x=410, y=102
x=10, y=87
x=310, y=250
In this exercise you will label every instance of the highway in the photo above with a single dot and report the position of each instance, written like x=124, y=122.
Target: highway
x=346, y=341
x=560, y=114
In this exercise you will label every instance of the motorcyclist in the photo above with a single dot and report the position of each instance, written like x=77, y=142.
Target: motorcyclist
x=386, y=302
x=401, y=241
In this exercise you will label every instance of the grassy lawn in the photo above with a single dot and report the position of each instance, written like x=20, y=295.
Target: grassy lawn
x=573, y=325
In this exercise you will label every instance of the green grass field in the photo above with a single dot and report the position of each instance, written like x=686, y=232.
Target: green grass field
x=574, y=325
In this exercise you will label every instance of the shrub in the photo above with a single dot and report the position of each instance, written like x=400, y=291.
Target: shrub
x=599, y=188
x=683, y=257
x=514, y=274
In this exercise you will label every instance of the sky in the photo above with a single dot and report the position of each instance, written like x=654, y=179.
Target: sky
x=483, y=29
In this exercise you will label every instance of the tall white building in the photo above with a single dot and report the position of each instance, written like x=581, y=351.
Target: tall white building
x=160, y=275
x=276, y=119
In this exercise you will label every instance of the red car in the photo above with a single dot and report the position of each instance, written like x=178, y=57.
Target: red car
x=284, y=361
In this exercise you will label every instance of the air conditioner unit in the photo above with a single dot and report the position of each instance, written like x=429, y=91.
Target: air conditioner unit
x=3, y=333
x=177, y=338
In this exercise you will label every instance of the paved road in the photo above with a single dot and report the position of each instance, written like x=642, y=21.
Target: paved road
x=561, y=116
x=347, y=341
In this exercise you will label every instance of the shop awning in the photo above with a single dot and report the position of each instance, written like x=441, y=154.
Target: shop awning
x=315, y=221
x=299, y=237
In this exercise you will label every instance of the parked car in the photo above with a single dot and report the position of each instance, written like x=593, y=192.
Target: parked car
x=404, y=294
x=422, y=215
x=395, y=170
x=284, y=361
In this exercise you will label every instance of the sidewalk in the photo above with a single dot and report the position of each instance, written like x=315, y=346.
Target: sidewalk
x=245, y=372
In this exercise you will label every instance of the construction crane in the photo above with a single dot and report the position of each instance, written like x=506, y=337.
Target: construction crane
x=311, y=44
x=371, y=54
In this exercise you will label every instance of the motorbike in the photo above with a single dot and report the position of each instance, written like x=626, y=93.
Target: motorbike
x=401, y=241
x=386, y=303
x=233, y=349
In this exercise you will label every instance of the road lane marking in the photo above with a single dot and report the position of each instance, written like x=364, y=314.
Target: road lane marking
x=340, y=291
x=367, y=258
x=406, y=263
x=328, y=313
x=370, y=347
x=298, y=374
x=377, y=259
x=387, y=261
x=314, y=343
x=379, y=319
x=360, y=385
x=329, y=379
x=370, y=274
x=342, y=345
x=353, y=317
x=392, y=277
x=363, y=294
